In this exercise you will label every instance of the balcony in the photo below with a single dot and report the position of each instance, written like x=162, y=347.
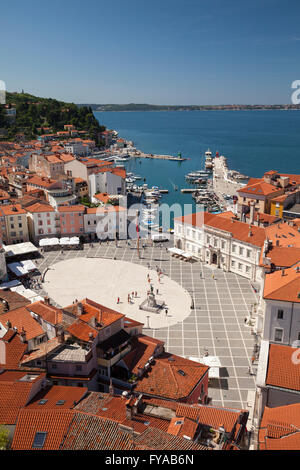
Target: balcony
x=110, y=361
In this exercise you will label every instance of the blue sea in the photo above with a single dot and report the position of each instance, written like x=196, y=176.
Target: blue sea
x=252, y=141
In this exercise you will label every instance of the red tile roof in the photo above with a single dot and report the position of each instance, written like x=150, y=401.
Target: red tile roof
x=283, y=371
x=279, y=429
x=212, y=416
x=70, y=396
x=14, y=395
x=260, y=188
x=48, y=313
x=283, y=285
x=39, y=207
x=21, y=319
x=77, y=208
x=171, y=377
x=53, y=422
x=82, y=328
x=239, y=230
x=12, y=350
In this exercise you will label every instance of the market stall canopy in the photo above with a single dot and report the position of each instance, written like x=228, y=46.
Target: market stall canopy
x=20, y=249
x=69, y=241
x=28, y=293
x=49, y=242
x=213, y=362
x=22, y=268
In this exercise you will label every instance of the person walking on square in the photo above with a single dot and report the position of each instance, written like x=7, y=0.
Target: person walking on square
x=118, y=300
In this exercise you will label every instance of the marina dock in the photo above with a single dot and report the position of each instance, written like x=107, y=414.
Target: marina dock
x=188, y=190
x=158, y=157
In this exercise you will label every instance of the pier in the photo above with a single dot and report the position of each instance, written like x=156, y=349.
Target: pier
x=158, y=157
x=223, y=182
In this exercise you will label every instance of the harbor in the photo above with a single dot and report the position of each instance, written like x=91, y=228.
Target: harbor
x=208, y=183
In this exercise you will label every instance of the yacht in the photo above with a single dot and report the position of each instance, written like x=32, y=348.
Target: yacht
x=208, y=160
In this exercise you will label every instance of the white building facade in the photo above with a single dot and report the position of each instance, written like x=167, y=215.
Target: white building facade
x=106, y=182
x=219, y=247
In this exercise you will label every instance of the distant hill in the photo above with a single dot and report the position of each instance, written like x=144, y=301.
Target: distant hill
x=33, y=112
x=153, y=107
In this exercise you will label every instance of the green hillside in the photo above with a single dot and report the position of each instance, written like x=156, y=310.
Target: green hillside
x=33, y=112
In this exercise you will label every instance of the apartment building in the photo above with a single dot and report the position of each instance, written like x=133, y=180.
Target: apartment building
x=13, y=224
x=71, y=220
x=262, y=191
x=50, y=165
x=84, y=167
x=43, y=221
x=110, y=181
x=106, y=222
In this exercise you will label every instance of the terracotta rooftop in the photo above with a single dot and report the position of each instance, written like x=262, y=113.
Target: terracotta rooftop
x=54, y=423
x=283, y=285
x=282, y=371
x=39, y=207
x=260, y=188
x=279, y=429
x=75, y=208
x=20, y=318
x=171, y=377
x=57, y=397
x=47, y=312
x=10, y=300
x=11, y=209
x=82, y=327
x=12, y=350
x=239, y=230
x=15, y=393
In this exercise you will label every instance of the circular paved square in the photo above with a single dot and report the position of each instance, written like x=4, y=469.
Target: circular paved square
x=106, y=280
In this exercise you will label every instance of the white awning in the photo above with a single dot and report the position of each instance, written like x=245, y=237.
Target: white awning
x=176, y=251
x=22, y=268
x=49, y=242
x=69, y=241
x=19, y=249
x=28, y=293
x=213, y=362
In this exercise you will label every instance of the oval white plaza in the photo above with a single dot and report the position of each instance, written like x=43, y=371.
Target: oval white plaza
x=104, y=280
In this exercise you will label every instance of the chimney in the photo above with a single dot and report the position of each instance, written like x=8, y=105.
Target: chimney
x=252, y=212
x=282, y=272
x=47, y=300
x=79, y=308
x=130, y=408
x=137, y=406
x=8, y=324
x=61, y=336
x=23, y=336
x=91, y=337
x=111, y=388
x=277, y=242
x=93, y=322
x=250, y=233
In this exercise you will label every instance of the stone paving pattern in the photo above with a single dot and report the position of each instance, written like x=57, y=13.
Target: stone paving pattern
x=216, y=324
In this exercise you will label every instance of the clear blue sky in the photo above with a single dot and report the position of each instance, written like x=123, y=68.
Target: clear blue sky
x=152, y=51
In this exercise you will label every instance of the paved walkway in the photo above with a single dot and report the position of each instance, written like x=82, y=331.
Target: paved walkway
x=216, y=323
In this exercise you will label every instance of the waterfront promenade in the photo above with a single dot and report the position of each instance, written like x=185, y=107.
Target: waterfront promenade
x=222, y=183
x=216, y=324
